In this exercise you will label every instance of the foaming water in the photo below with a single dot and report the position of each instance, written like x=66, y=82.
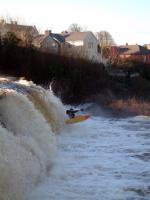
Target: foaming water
x=99, y=159
x=29, y=119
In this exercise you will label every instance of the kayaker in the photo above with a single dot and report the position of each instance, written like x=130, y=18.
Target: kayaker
x=71, y=112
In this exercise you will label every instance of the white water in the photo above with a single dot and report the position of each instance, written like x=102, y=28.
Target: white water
x=99, y=159
x=102, y=158
x=27, y=137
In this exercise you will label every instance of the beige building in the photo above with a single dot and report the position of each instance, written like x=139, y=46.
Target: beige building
x=82, y=45
x=147, y=46
x=24, y=32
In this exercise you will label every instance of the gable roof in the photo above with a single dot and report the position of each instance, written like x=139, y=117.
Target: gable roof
x=38, y=39
x=75, y=36
x=55, y=36
x=58, y=37
x=17, y=27
x=133, y=49
x=20, y=27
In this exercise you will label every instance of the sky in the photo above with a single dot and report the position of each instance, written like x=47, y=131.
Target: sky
x=126, y=20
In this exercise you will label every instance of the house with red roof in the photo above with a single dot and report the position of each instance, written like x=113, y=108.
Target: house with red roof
x=131, y=52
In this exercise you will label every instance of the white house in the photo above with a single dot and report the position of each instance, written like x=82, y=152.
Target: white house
x=82, y=45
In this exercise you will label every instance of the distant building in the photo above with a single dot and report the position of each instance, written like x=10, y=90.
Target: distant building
x=131, y=52
x=82, y=45
x=147, y=46
x=49, y=42
x=23, y=32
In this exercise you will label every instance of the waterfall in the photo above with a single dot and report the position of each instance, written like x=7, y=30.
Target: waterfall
x=29, y=119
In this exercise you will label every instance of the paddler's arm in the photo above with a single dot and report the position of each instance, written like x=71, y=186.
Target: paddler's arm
x=78, y=110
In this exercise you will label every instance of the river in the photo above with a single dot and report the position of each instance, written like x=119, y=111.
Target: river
x=102, y=158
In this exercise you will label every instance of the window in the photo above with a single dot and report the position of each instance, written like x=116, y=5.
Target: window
x=98, y=49
x=53, y=45
x=90, y=45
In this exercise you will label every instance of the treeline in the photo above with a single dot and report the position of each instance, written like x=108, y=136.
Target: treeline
x=73, y=80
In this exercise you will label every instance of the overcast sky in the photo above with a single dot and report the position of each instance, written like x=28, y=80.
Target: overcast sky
x=126, y=20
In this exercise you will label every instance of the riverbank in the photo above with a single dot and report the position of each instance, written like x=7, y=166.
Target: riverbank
x=123, y=107
x=133, y=106
x=119, y=95
x=77, y=81
x=113, y=101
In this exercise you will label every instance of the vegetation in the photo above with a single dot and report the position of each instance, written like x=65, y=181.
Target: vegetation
x=75, y=28
x=75, y=80
x=105, y=42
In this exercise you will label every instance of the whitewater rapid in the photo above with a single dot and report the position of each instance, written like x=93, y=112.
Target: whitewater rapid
x=30, y=117
x=101, y=159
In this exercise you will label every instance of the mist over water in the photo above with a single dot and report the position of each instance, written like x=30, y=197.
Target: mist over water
x=104, y=157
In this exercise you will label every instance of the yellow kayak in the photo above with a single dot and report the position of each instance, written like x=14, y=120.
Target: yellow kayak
x=77, y=119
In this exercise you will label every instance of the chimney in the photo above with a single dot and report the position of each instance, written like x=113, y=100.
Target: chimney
x=48, y=32
x=2, y=21
x=148, y=46
x=65, y=33
x=13, y=22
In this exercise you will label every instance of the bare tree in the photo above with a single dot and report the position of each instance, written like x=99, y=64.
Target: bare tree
x=75, y=28
x=105, y=38
x=105, y=41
